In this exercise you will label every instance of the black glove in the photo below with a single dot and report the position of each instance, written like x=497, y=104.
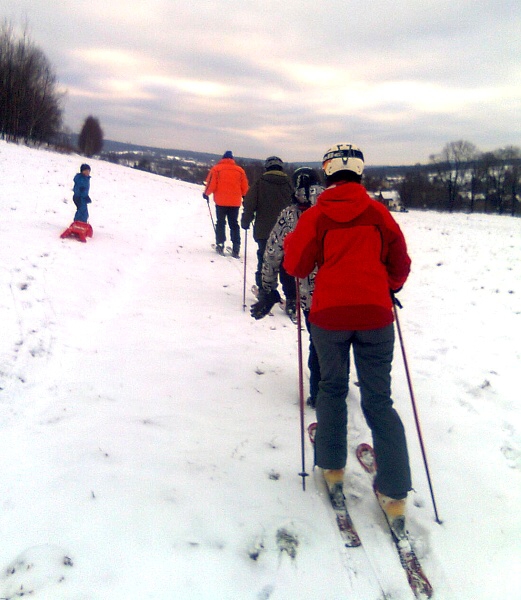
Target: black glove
x=265, y=303
x=394, y=298
x=206, y=197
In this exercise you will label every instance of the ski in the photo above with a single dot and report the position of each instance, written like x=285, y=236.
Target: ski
x=416, y=578
x=338, y=502
x=343, y=520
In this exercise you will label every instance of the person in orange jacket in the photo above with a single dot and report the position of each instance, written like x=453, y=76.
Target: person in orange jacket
x=362, y=261
x=228, y=184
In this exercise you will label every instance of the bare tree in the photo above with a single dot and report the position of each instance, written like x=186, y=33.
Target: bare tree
x=514, y=177
x=30, y=105
x=502, y=172
x=451, y=165
x=90, y=141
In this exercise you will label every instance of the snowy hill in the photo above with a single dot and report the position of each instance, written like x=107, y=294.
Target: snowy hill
x=149, y=427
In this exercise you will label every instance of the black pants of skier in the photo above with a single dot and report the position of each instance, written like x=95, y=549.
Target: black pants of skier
x=287, y=281
x=232, y=214
x=373, y=354
x=314, y=365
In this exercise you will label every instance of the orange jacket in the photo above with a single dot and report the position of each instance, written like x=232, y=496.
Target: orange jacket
x=227, y=182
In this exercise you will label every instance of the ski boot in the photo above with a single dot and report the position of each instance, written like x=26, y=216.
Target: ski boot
x=394, y=512
x=334, y=479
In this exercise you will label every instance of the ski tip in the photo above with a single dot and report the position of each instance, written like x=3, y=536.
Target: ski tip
x=363, y=447
x=366, y=457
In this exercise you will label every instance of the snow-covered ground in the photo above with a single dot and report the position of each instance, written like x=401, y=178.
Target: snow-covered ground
x=149, y=427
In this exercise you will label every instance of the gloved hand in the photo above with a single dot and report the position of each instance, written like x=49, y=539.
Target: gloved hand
x=206, y=197
x=264, y=304
x=394, y=298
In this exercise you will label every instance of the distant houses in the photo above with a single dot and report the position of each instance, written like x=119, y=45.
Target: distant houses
x=391, y=199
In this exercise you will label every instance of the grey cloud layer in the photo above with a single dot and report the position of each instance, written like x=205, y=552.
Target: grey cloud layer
x=288, y=77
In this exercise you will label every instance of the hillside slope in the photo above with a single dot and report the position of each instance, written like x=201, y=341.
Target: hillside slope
x=149, y=428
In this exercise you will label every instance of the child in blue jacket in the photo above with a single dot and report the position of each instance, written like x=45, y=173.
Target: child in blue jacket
x=81, y=193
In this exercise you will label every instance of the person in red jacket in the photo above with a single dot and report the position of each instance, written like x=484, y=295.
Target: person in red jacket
x=362, y=260
x=228, y=184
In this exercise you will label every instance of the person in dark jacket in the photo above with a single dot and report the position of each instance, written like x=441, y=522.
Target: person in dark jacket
x=262, y=205
x=362, y=260
x=81, y=193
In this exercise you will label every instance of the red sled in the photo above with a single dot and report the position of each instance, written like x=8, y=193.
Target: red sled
x=79, y=230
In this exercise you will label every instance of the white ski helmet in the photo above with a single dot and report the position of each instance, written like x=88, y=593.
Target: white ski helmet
x=343, y=157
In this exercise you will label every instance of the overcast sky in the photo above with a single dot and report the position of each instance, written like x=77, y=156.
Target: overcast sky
x=289, y=77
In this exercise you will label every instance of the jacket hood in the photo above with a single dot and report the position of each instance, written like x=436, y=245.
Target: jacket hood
x=276, y=177
x=226, y=161
x=343, y=202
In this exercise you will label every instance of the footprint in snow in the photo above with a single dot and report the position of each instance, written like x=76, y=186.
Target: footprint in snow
x=266, y=592
x=285, y=542
x=34, y=569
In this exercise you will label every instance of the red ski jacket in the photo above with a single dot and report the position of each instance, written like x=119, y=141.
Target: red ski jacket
x=361, y=254
x=227, y=182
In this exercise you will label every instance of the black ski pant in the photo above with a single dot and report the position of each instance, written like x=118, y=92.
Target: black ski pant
x=373, y=354
x=287, y=281
x=232, y=214
x=314, y=365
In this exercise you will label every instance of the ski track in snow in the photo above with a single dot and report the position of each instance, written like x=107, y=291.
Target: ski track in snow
x=150, y=443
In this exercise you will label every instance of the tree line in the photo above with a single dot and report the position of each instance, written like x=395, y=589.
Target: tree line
x=458, y=179
x=30, y=104
x=461, y=178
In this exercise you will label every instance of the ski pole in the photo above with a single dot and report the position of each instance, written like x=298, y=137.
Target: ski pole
x=303, y=473
x=396, y=305
x=244, y=277
x=210, y=211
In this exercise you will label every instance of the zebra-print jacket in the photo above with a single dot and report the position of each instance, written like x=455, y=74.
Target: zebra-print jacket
x=274, y=254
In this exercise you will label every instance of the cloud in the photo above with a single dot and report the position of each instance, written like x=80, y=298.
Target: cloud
x=289, y=77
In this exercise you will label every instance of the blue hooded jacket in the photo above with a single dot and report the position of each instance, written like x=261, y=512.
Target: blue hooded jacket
x=81, y=186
